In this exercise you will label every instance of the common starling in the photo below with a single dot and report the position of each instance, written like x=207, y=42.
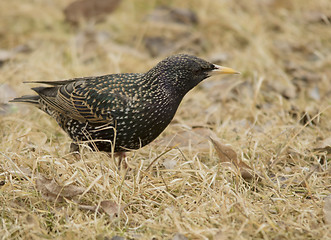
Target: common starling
x=120, y=112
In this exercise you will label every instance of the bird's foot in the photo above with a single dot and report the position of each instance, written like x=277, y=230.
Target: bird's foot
x=74, y=147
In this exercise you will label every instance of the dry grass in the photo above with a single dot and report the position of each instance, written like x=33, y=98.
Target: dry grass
x=283, y=50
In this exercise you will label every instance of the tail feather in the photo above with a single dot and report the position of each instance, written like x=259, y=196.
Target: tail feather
x=54, y=83
x=34, y=99
x=46, y=91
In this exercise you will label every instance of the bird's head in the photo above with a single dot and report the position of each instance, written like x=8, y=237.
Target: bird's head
x=183, y=72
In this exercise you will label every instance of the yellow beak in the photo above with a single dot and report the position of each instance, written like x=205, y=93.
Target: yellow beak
x=223, y=70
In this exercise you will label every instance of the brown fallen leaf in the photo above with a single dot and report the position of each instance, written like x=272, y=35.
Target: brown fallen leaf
x=111, y=208
x=52, y=191
x=47, y=195
x=227, y=154
x=84, y=10
x=246, y=171
x=65, y=191
x=327, y=210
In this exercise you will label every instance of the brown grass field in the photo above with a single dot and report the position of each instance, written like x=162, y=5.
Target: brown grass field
x=267, y=176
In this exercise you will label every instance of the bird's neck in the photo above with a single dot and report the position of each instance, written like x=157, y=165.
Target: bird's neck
x=165, y=85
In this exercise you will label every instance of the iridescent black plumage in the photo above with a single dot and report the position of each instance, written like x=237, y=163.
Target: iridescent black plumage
x=130, y=110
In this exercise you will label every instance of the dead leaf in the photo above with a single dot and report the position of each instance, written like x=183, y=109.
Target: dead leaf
x=110, y=207
x=84, y=10
x=65, y=191
x=52, y=191
x=246, y=171
x=70, y=190
x=45, y=193
x=227, y=154
x=327, y=210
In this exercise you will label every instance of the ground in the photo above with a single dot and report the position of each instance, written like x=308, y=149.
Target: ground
x=273, y=121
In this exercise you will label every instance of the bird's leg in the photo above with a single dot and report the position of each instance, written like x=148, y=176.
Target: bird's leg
x=121, y=156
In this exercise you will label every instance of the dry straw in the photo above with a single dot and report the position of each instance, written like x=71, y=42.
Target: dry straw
x=275, y=119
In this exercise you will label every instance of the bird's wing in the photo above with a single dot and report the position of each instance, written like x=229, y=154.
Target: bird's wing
x=83, y=101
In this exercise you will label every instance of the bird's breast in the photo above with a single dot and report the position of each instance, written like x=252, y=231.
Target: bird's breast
x=138, y=126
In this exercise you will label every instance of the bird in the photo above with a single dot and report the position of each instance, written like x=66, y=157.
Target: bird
x=116, y=113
